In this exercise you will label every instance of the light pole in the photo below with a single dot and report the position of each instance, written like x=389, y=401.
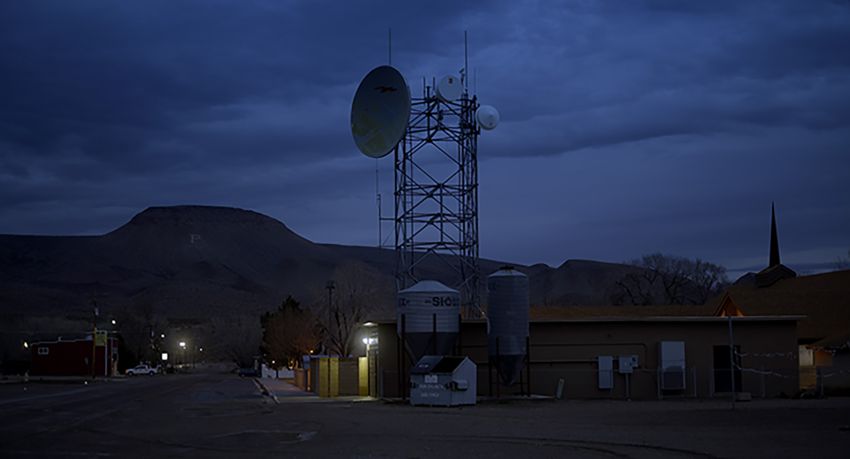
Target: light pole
x=331, y=285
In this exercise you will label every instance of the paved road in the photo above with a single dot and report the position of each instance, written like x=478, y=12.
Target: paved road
x=171, y=415
x=214, y=415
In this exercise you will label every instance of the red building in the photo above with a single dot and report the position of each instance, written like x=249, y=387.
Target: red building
x=73, y=357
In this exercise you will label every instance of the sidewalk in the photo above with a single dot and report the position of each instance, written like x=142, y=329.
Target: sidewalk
x=282, y=391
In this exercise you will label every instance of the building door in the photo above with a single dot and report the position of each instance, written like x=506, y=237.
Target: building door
x=722, y=368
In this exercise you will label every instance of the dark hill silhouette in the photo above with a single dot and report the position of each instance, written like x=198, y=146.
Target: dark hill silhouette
x=201, y=261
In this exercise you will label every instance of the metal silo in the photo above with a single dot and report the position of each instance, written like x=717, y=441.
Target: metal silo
x=507, y=319
x=428, y=318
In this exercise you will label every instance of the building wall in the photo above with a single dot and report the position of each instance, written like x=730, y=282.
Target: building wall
x=71, y=358
x=349, y=376
x=568, y=350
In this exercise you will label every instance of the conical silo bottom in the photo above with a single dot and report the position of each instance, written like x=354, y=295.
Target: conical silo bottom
x=419, y=344
x=509, y=367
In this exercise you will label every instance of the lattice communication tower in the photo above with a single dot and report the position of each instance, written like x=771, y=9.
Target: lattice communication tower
x=436, y=194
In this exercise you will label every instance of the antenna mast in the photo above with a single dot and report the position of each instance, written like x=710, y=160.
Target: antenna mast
x=465, y=64
x=377, y=175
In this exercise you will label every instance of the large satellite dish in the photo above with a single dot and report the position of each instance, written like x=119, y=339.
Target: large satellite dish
x=380, y=111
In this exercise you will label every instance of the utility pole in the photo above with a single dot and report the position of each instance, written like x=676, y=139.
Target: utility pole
x=330, y=286
x=732, y=361
x=95, y=313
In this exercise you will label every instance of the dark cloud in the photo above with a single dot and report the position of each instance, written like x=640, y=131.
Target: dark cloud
x=628, y=127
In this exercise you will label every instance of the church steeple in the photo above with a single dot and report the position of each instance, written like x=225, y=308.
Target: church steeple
x=774, y=238
x=775, y=271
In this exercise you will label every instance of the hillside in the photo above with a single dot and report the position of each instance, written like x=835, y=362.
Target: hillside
x=199, y=261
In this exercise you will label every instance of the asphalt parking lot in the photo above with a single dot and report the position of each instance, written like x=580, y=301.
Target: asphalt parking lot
x=223, y=415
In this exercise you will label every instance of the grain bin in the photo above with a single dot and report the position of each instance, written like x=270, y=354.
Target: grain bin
x=507, y=322
x=428, y=318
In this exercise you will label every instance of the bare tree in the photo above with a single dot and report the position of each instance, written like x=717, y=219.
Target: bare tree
x=290, y=332
x=664, y=279
x=359, y=290
x=137, y=325
x=235, y=338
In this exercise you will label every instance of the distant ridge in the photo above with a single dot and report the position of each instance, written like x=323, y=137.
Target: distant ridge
x=197, y=261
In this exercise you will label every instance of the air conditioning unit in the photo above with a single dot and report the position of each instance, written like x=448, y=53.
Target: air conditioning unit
x=672, y=358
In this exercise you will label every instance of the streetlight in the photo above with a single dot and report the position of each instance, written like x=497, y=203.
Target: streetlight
x=114, y=322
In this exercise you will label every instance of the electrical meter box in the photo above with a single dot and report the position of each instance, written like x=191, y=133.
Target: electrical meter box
x=627, y=363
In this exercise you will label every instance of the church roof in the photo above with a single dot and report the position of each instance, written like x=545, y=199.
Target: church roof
x=823, y=298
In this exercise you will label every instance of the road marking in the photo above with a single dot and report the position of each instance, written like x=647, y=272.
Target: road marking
x=64, y=453
x=37, y=397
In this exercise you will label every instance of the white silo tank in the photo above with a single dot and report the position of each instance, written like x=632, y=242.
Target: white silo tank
x=507, y=319
x=423, y=309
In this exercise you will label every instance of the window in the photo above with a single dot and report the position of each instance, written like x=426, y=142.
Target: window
x=43, y=350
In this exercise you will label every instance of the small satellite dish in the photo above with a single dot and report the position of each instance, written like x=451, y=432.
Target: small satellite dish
x=449, y=88
x=487, y=116
x=380, y=111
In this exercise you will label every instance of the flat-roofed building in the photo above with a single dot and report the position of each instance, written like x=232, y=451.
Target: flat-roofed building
x=616, y=353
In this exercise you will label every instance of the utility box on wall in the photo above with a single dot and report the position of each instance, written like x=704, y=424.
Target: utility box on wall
x=606, y=371
x=627, y=363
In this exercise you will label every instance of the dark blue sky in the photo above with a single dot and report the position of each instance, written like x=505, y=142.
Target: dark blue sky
x=627, y=127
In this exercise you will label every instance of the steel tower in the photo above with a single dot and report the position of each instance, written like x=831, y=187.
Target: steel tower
x=436, y=196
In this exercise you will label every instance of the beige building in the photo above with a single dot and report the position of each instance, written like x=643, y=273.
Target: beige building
x=823, y=333
x=580, y=357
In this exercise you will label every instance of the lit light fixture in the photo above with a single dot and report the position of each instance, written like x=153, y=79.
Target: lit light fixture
x=162, y=335
x=113, y=322
x=200, y=349
x=164, y=356
x=26, y=345
x=182, y=344
x=370, y=324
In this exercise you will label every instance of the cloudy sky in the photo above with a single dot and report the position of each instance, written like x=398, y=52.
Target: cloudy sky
x=627, y=127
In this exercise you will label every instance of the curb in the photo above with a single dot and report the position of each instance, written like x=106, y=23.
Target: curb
x=265, y=390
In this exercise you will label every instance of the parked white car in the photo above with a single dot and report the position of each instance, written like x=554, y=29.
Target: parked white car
x=141, y=370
